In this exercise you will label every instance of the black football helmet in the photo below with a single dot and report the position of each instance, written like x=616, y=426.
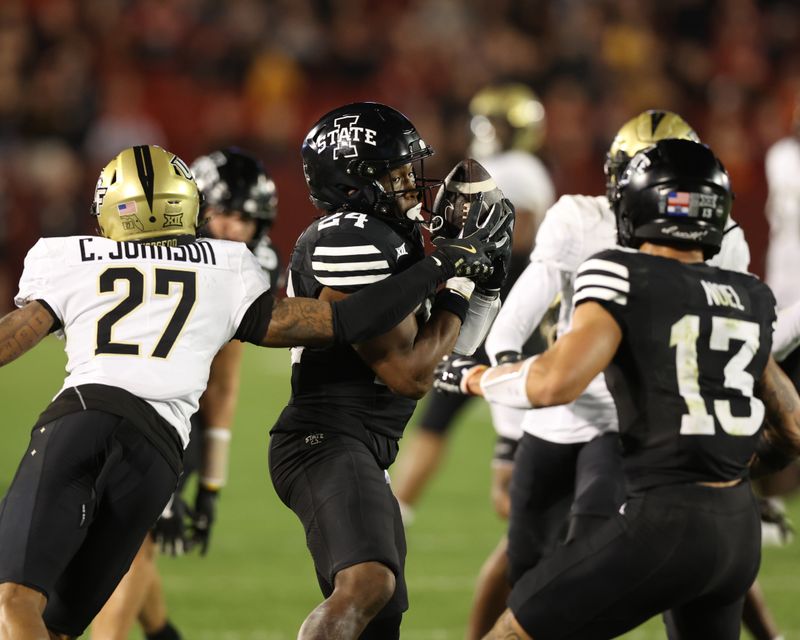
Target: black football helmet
x=350, y=148
x=676, y=192
x=234, y=180
x=638, y=133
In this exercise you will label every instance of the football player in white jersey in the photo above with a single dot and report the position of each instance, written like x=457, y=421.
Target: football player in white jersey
x=579, y=437
x=144, y=307
x=507, y=127
x=782, y=164
x=239, y=203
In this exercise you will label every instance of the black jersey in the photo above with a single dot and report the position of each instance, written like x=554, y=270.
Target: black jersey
x=332, y=388
x=695, y=340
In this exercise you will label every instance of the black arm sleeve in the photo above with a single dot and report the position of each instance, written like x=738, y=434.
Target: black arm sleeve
x=255, y=321
x=375, y=309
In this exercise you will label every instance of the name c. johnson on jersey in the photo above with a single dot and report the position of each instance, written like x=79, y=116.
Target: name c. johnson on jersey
x=198, y=252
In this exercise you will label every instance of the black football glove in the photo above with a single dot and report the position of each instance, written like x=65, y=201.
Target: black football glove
x=450, y=374
x=473, y=252
x=203, y=516
x=170, y=531
x=501, y=258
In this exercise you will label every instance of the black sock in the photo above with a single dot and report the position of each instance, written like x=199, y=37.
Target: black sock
x=167, y=632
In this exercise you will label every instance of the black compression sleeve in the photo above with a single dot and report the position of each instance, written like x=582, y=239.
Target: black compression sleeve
x=375, y=309
x=255, y=321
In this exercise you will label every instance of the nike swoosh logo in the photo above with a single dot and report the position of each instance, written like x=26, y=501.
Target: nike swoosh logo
x=437, y=261
x=461, y=363
x=469, y=249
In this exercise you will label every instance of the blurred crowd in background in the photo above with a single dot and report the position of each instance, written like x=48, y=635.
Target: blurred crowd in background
x=82, y=79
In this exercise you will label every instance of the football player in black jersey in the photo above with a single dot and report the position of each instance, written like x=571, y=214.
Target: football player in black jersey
x=686, y=351
x=332, y=445
x=239, y=203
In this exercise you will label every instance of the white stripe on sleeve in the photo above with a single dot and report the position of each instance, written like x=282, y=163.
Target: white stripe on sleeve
x=343, y=281
x=349, y=266
x=357, y=250
x=601, y=293
x=595, y=279
x=597, y=264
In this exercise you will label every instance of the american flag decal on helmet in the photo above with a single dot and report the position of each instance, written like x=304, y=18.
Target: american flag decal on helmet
x=678, y=203
x=126, y=208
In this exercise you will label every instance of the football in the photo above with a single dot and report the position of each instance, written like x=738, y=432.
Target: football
x=462, y=186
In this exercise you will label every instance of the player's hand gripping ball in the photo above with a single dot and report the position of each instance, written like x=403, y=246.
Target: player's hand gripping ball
x=467, y=183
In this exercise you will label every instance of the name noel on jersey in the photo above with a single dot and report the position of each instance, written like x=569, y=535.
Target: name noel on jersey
x=192, y=252
x=721, y=295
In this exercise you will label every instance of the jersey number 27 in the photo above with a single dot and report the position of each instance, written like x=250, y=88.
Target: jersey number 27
x=135, y=279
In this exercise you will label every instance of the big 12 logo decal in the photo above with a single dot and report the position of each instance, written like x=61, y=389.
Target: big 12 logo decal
x=344, y=137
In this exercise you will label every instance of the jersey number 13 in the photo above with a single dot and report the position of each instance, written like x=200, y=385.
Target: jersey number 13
x=684, y=336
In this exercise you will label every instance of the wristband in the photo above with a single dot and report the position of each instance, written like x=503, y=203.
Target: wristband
x=216, y=445
x=455, y=303
x=462, y=286
x=508, y=389
x=508, y=357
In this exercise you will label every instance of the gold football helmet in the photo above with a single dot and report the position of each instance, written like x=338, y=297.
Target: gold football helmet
x=638, y=134
x=506, y=116
x=146, y=192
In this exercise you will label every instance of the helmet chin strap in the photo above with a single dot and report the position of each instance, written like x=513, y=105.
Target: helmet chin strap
x=436, y=223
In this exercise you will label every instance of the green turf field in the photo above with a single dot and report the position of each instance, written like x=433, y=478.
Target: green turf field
x=257, y=583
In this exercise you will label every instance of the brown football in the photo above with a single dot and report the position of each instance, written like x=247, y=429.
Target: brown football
x=467, y=180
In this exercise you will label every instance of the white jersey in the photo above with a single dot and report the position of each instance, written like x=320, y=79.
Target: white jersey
x=524, y=180
x=782, y=167
x=148, y=319
x=574, y=229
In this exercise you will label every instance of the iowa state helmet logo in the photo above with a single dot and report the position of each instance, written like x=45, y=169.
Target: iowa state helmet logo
x=345, y=137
